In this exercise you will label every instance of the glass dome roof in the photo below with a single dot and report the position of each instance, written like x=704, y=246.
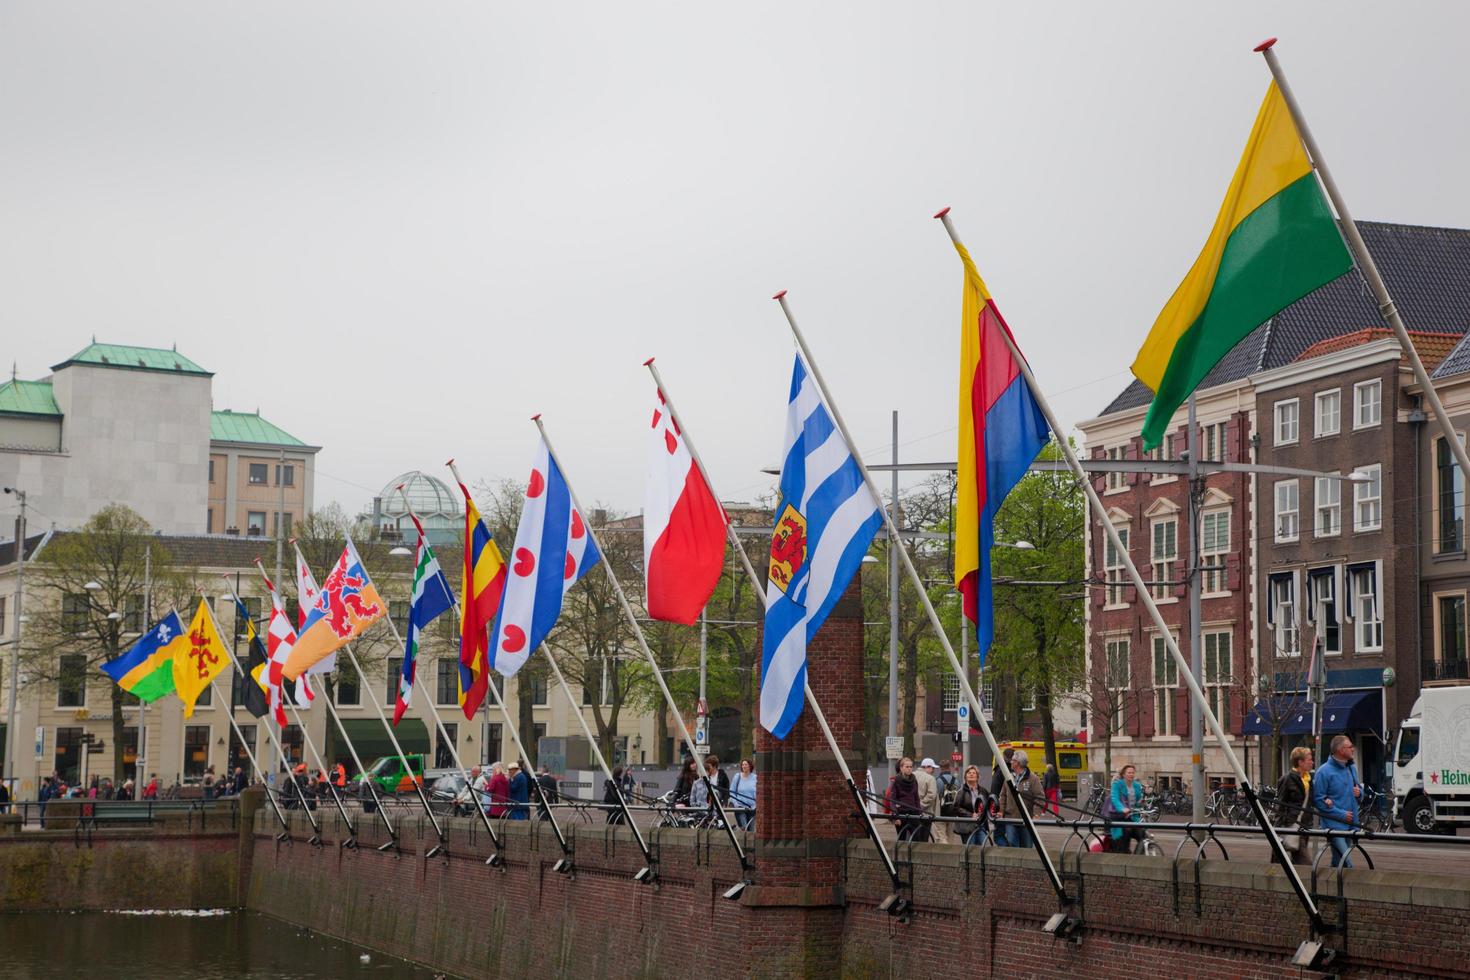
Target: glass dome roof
x=430, y=496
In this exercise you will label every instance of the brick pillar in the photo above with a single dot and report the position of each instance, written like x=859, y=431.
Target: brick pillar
x=804, y=809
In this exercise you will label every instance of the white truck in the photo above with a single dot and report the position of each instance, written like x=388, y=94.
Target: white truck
x=1431, y=775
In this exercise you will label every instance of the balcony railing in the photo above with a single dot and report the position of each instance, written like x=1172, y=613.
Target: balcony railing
x=1446, y=670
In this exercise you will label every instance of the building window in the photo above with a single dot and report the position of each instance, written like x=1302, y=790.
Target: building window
x=1327, y=496
x=294, y=742
x=1212, y=440
x=1217, y=675
x=252, y=614
x=444, y=746
x=76, y=610
x=1449, y=624
x=1283, y=615
x=1363, y=594
x=209, y=521
x=1367, y=404
x=259, y=474
x=1323, y=596
x=1117, y=680
x=211, y=471
x=196, y=750
x=987, y=691
x=71, y=681
x=1215, y=550
x=285, y=477
x=395, y=671
x=348, y=691
x=447, y=681
x=255, y=523
x=949, y=691
x=1113, y=573
x=1166, y=683
x=1165, y=553
x=1116, y=481
x=2, y=614
x=1288, y=421
x=490, y=742
x=205, y=699
x=239, y=757
x=1329, y=413
x=1287, y=527
x=398, y=612
x=1449, y=499
x=1368, y=500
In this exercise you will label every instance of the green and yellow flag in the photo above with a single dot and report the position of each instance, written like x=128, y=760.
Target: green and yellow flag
x=200, y=659
x=1274, y=241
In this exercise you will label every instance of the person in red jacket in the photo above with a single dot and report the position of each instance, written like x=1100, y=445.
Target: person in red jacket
x=498, y=790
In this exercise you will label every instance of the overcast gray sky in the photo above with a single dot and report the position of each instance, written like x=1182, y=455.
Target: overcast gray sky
x=401, y=229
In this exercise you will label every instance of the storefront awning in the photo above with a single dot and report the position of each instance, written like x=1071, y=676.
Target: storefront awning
x=1343, y=711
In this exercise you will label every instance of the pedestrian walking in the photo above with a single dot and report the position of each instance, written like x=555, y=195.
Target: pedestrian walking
x=610, y=790
x=1034, y=799
x=547, y=782
x=687, y=778
x=928, y=796
x=946, y=789
x=998, y=771
x=972, y=801
x=906, y=804
x=497, y=791
x=1335, y=794
x=742, y=794
x=1293, y=804
x=1126, y=793
x=718, y=778
x=1051, y=785
x=520, y=793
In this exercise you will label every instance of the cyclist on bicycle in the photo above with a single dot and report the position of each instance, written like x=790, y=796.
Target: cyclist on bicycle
x=1123, y=801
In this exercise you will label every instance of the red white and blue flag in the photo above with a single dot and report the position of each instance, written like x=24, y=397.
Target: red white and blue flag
x=683, y=526
x=552, y=551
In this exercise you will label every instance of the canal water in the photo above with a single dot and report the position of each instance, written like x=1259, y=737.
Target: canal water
x=219, y=945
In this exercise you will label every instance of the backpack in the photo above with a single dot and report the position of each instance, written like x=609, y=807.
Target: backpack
x=949, y=792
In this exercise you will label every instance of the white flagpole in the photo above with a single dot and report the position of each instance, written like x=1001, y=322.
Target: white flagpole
x=494, y=859
x=316, y=832
x=908, y=563
x=1157, y=617
x=658, y=676
x=758, y=586
x=564, y=866
x=1364, y=258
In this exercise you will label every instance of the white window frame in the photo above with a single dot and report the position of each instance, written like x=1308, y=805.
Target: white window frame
x=1115, y=578
x=949, y=692
x=1321, y=425
x=1367, y=609
x=1436, y=508
x=1165, y=687
x=1322, y=594
x=1286, y=631
x=1215, y=550
x=1162, y=564
x=1217, y=681
x=1281, y=424
x=1282, y=532
x=1115, y=482
x=1115, y=647
x=1368, y=498
x=1362, y=402
x=1327, y=517
x=1164, y=451
x=1438, y=599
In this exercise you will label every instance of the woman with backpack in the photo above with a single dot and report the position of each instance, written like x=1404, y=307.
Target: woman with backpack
x=973, y=801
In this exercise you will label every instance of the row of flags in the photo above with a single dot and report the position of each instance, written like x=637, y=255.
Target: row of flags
x=1274, y=241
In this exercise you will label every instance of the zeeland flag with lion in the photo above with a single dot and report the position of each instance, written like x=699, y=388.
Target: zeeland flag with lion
x=825, y=520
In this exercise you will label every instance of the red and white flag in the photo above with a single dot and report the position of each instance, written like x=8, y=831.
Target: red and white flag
x=306, y=594
x=280, y=637
x=683, y=526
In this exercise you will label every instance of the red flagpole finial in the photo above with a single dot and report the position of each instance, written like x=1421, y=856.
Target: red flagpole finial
x=941, y=213
x=1264, y=45
x=450, y=462
x=648, y=362
x=779, y=295
x=536, y=417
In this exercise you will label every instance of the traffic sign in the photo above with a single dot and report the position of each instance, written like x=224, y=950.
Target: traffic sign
x=964, y=711
x=701, y=736
x=893, y=746
x=956, y=757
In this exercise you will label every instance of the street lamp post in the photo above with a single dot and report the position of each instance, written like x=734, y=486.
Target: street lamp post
x=20, y=565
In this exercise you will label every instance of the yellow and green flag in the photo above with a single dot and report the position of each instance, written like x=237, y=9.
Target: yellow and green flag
x=1275, y=240
x=200, y=659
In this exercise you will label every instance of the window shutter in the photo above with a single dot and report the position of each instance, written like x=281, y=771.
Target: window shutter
x=1136, y=709
x=1231, y=450
x=1146, y=715
x=1099, y=480
x=1130, y=594
x=1232, y=572
x=1181, y=708
x=1296, y=595
x=1134, y=452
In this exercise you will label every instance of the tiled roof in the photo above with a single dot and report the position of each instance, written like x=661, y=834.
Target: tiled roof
x=1432, y=347
x=7, y=548
x=1457, y=362
x=1427, y=271
x=133, y=358
x=228, y=426
x=28, y=398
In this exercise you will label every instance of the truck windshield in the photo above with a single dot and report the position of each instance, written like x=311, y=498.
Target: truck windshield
x=1408, y=745
x=384, y=765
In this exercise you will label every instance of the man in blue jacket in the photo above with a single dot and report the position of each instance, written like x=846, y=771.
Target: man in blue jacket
x=1335, y=793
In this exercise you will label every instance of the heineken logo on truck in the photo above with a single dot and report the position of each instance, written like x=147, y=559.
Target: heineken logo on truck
x=1450, y=777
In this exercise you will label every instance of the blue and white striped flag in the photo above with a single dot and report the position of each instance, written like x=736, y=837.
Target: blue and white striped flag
x=825, y=521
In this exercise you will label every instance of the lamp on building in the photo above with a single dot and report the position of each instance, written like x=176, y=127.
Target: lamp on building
x=93, y=586
x=114, y=615
x=400, y=551
x=1358, y=476
x=1018, y=545
x=869, y=560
